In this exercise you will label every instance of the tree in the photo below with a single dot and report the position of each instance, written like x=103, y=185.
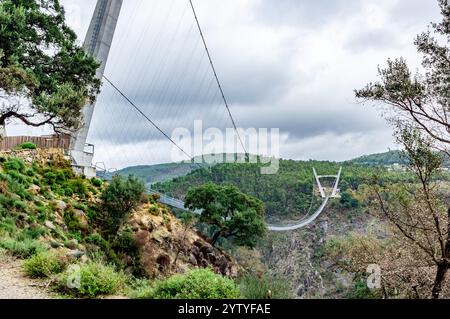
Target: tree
x=119, y=198
x=418, y=108
x=232, y=214
x=45, y=77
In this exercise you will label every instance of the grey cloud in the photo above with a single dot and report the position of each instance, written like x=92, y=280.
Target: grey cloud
x=305, y=13
x=367, y=40
x=168, y=75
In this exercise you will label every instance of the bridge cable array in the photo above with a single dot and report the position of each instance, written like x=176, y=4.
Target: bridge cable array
x=146, y=117
x=216, y=76
x=164, y=70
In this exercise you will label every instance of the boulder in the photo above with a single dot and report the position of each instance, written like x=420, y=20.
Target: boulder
x=60, y=205
x=84, y=259
x=207, y=249
x=211, y=257
x=55, y=244
x=49, y=225
x=222, y=264
x=82, y=219
x=34, y=189
x=76, y=253
x=195, y=251
x=193, y=260
x=72, y=244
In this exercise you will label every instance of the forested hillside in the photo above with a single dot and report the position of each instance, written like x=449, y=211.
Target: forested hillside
x=390, y=158
x=288, y=193
x=151, y=174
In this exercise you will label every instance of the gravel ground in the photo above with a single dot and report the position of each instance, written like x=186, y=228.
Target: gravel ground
x=14, y=284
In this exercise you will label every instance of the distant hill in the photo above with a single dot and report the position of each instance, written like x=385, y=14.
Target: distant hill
x=389, y=158
x=151, y=174
x=381, y=159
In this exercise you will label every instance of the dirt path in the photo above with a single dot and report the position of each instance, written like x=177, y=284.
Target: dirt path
x=14, y=284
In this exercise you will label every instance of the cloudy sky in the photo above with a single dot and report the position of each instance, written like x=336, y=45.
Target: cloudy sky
x=287, y=64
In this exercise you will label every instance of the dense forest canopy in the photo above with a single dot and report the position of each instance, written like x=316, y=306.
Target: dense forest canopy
x=288, y=193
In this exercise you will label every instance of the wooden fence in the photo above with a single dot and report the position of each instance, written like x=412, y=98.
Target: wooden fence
x=52, y=141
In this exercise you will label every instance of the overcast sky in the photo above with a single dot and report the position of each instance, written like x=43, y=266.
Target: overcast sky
x=287, y=64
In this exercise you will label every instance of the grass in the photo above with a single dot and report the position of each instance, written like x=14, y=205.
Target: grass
x=266, y=287
x=45, y=264
x=196, y=284
x=22, y=248
x=91, y=280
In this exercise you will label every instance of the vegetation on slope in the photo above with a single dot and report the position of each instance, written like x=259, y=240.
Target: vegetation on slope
x=91, y=238
x=288, y=193
x=152, y=174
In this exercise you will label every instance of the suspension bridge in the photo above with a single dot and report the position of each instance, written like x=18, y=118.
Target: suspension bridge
x=98, y=42
x=158, y=74
x=326, y=196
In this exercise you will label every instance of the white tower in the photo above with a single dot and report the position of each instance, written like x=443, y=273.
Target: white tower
x=97, y=43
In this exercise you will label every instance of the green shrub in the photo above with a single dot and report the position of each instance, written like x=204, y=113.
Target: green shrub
x=96, y=182
x=95, y=239
x=22, y=249
x=33, y=232
x=267, y=287
x=95, y=279
x=77, y=186
x=28, y=146
x=124, y=242
x=14, y=164
x=71, y=221
x=153, y=209
x=196, y=284
x=45, y=264
x=361, y=291
x=139, y=289
x=119, y=198
x=8, y=225
x=50, y=177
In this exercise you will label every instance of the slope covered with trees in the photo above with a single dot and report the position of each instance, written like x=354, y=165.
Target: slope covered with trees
x=290, y=192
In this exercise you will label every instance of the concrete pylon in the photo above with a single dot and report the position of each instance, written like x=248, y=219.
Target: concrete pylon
x=97, y=43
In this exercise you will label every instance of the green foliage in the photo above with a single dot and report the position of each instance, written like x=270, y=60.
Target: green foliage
x=71, y=221
x=265, y=287
x=14, y=164
x=361, y=291
x=57, y=82
x=8, y=226
x=28, y=146
x=95, y=279
x=33, y=232
x=232, y=214
x=161, y=172
x=348, y=200
x=196, y=284
x=287, y=194
x=139, y=289
x=124, y=242
x=44, y=265
x=119, y=198
x=96, y=182
x=22, y=249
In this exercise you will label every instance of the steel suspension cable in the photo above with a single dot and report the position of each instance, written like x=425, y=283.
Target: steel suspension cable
x=147, y=117
x=216, y=76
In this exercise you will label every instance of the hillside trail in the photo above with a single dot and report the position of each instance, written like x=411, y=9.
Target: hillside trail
x=15, y=285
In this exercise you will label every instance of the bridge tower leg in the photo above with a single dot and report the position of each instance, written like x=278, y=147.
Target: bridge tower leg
x=336, y=184
x=321, y=190
x=97, y=43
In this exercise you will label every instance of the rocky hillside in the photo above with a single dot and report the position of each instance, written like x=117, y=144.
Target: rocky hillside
x=44, y=207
